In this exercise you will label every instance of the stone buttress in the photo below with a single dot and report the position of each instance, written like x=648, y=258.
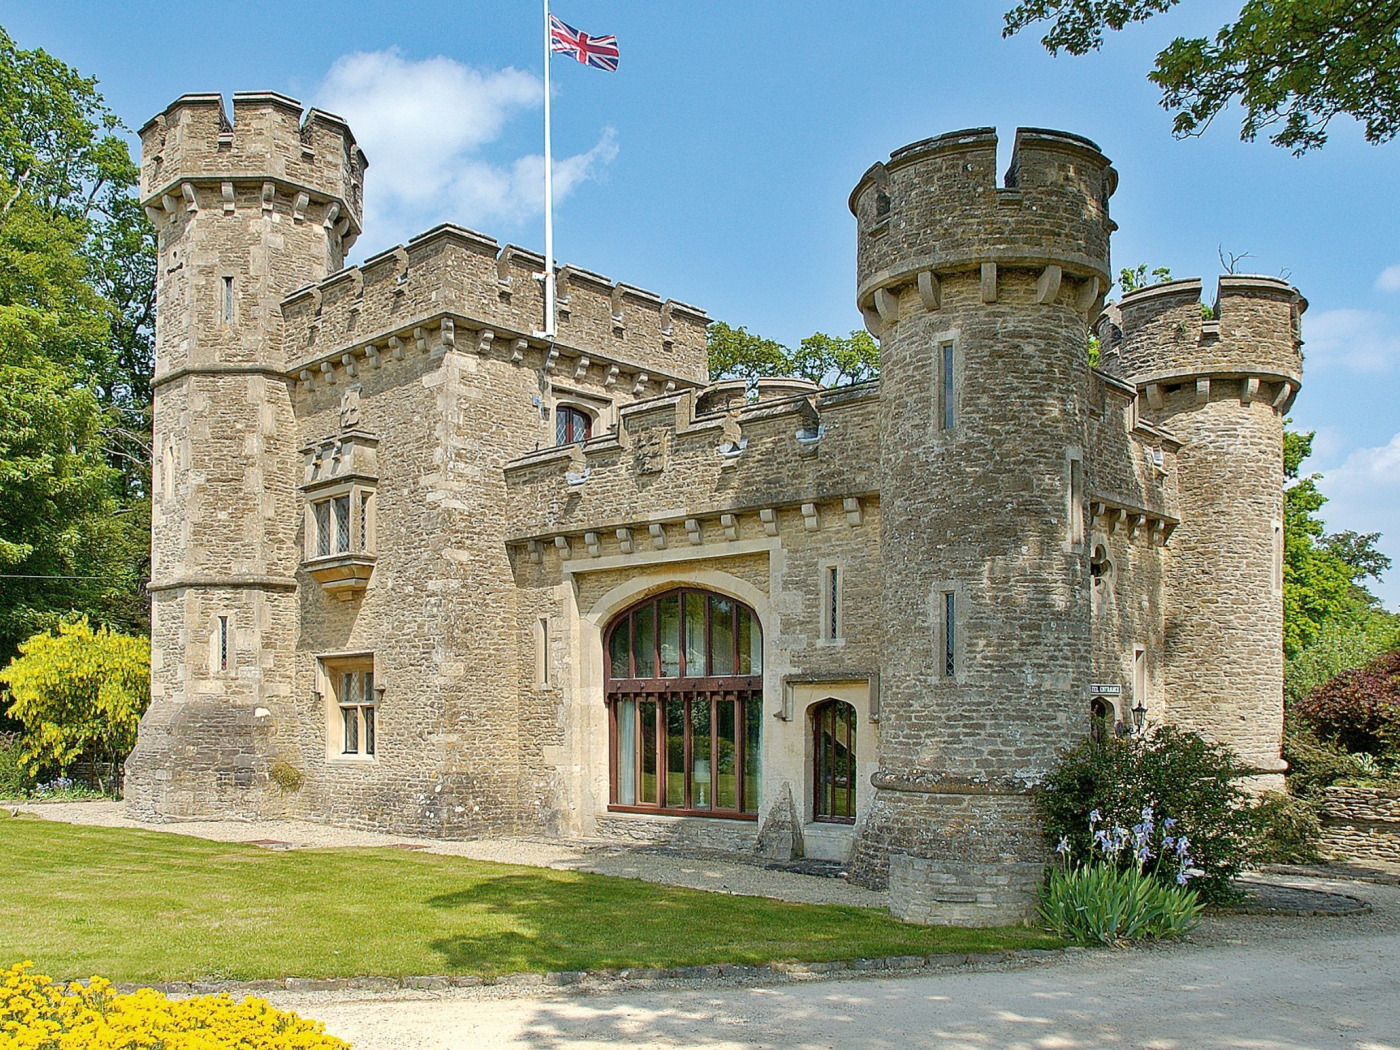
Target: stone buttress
x=245, y=213
x=980, y=294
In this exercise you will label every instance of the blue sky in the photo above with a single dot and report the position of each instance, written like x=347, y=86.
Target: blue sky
x=714, y=166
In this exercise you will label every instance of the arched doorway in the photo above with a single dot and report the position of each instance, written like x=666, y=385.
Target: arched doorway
x=684, y=688
x=834, y=762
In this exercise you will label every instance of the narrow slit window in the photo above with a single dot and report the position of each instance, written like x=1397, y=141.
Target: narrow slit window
x=833, y=602
x=364, y=520
x=946, y=395
x=950, y=665
x=544, y=651
x=228, y=300
x=223, y=643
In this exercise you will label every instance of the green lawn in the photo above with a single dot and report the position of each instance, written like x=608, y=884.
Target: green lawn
x=148, y=906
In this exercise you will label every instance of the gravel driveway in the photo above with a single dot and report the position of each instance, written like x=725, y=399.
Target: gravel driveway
x=1240, y=982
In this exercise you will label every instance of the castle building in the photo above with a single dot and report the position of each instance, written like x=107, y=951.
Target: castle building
x=417, y=568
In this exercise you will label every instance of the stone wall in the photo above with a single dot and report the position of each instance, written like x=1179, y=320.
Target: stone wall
x=1362, y=824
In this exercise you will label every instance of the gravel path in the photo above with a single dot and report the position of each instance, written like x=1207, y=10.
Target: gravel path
x=650, y=864
x=1261, y=983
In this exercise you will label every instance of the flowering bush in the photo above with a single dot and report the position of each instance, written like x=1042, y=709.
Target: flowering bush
x=1360, y=708
x=1172, y=771
x=37, y=1014
x=1112, y=896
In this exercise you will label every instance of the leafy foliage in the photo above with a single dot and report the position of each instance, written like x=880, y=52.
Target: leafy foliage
x=1290, y=829
x=80, y=694
x=14, y=781
x=1314, y=763
x=77, y=287
x=737, y=353
x=1339, y=645
x=1359, y=709
x=1103, y=904
x=1293, y=65
x=38, y=1014
x=1175, y=772
x=1131, y=278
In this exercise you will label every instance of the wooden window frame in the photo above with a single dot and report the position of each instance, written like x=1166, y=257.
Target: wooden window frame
x=743, y=691
x=565, y=416
x=827, y=710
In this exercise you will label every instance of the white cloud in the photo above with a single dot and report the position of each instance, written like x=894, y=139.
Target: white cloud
x=1389, y=279
x=428, y=127
x=1364, y=496
x=1359, y=340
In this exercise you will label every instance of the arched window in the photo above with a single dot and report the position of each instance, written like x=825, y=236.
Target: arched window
x=571, y=425
x=685, y=695
x=834, y=762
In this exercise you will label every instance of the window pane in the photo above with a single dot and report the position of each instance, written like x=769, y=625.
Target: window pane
x=700, y=768
x=342, y=523
x=646, y=716
x=627, y=752
x=644, y=641
x=349, y=717
x=364, y=521
x=561, y=426
x=721, y=636
x=843, y=763
x=323, y=527
x=369, y=729
x=753, y=758
x=675, y=752
x=368, y=692
x=750, y=643
x=619, y=665
x=349, y=688
x=670, y=609
x=726, y=793
x=695, y=663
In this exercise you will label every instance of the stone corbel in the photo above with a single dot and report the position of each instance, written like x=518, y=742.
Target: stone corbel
x=396, y=348
x=581, y=367
x=930, y=292
x=372, y=357
x=658, y=536
x=1136, y=522
x=1285, y=391
x=332, y=214
x=640, y=383
x=191, y=201
x=447, y=335
x=1249, y=390
x=420, y=338
x=269, y=196
x=1088, y=295
x=551, y=358
x=226, y=191
x=590, y=540
x=624, y=538
x=989, y=282
x=298, y=206
x=328, y=371
x=611, y=378
x=692, y=531
x=1047, y=287
x=561, y=544
x=484, y=338
x=168, y=203
x=536, y=551
x=730, y=524
x=308, y=379
x=769, y=518
x=1202, y=390
x=517, y=350
x=810, y=521
x=887, y=306
x=872, y=323
x=851, y=506
x=348, y=360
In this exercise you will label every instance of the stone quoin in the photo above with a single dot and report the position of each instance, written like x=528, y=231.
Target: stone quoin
x=418, y=569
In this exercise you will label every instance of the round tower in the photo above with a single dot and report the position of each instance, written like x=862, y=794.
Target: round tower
x=245, y=212
x=1222, y=380
x=980, y=295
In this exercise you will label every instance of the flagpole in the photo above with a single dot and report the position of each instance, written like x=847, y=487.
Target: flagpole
x=549, y=286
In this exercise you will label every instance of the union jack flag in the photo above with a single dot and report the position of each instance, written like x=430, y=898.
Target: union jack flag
x=600, y=52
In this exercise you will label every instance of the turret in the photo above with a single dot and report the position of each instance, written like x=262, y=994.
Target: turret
x=980, y=294
x=1221, y=380
x=245, y=212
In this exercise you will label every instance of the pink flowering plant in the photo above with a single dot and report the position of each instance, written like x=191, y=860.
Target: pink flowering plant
x=1117, y=892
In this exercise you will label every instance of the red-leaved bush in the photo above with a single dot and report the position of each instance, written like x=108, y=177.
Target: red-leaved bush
x=1359, y=709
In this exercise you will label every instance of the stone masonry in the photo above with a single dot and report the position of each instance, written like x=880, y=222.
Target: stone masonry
x=394, y=525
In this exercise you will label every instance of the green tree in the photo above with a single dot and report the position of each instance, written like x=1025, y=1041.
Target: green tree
x=1290, y=65
x=80, y=694
x=77, y=280
x=737, y=353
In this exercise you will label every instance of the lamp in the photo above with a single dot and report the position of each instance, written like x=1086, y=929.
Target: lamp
x=1139, y=716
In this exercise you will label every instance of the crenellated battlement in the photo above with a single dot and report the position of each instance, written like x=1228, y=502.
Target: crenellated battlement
x=935, y=209
x=451, y=271
x=1161, y=336
x=313, y=158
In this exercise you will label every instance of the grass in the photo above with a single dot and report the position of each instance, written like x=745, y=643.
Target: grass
x=150, y=906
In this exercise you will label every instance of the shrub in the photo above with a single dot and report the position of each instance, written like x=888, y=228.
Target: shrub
x=80, y=694
x=1313, y=763
x=1359, y=709
x=37, y=1014
x=1289, y=829
x=1343, y=644
x=1174, y=772
x=14, y=781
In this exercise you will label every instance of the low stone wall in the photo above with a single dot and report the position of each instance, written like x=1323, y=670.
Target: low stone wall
x=1362, y=823
x=731, y=836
